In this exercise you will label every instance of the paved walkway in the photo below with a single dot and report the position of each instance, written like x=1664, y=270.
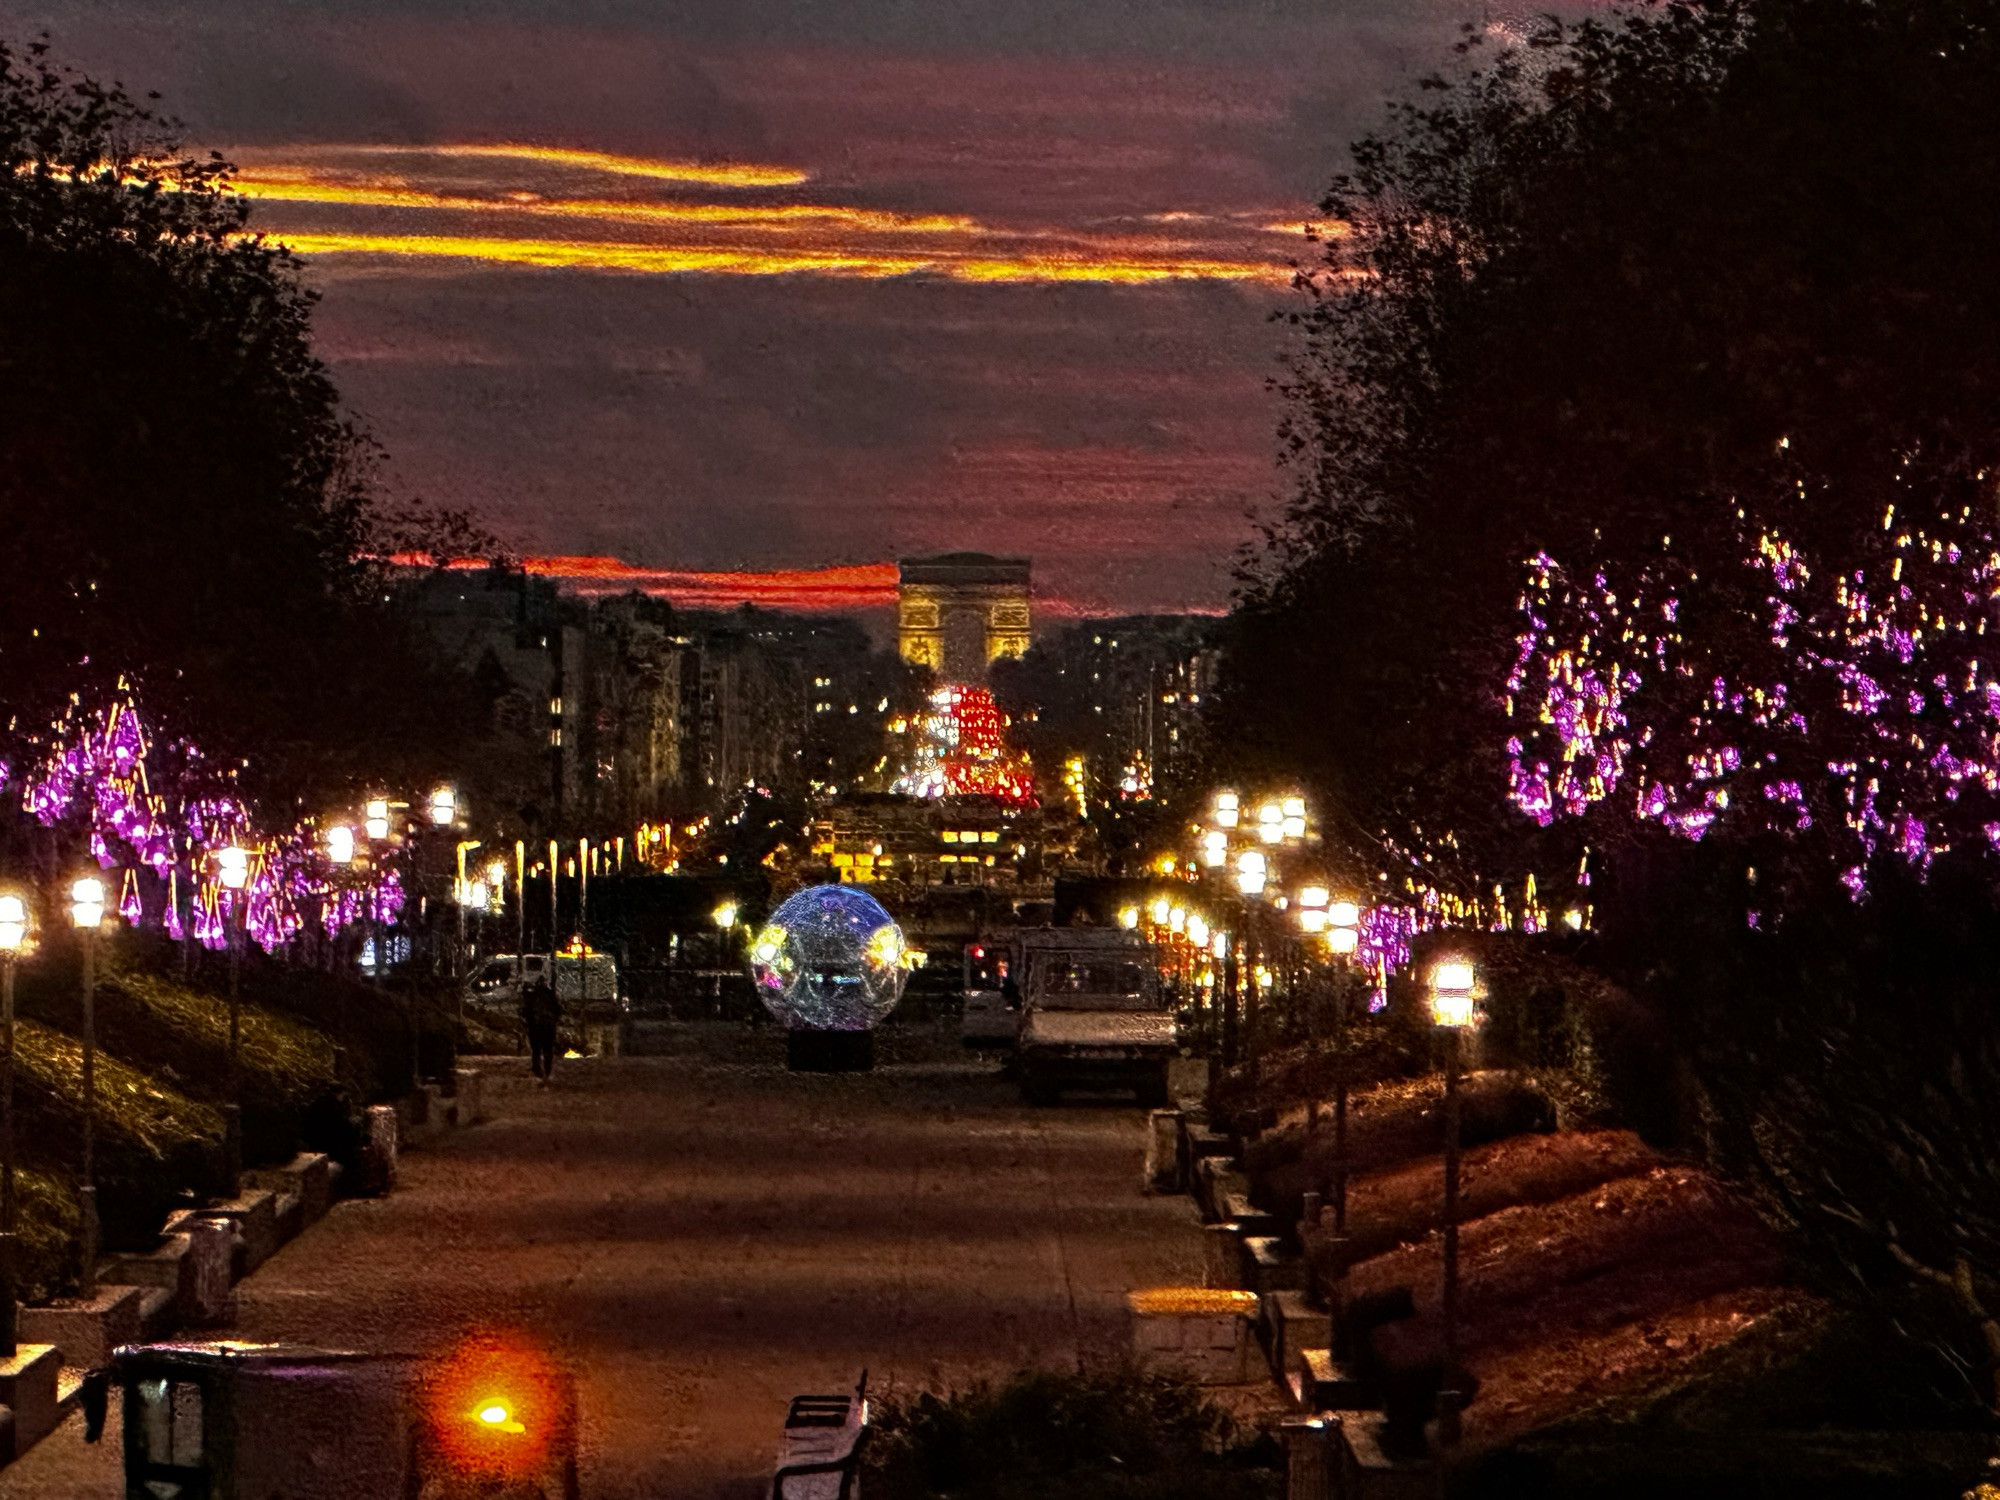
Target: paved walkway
x=705, y=1235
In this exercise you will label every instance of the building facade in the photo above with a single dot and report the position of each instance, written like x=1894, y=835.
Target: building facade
x=960, y=612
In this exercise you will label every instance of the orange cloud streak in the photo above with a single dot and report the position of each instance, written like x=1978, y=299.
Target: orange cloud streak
x=715, y=174
x=296, y=186
x=706, y=236
x=602, y=255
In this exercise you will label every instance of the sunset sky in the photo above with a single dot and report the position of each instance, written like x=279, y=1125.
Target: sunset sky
x=785, y=284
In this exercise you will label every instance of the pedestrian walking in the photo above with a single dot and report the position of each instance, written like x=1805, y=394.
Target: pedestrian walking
x=540, y=1013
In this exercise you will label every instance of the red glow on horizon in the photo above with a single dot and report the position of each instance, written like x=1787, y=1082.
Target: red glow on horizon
x=851, y=586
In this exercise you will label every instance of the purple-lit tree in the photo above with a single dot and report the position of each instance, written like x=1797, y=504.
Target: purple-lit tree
x=186, y=503
x=1646, y=416
x=1847, y=697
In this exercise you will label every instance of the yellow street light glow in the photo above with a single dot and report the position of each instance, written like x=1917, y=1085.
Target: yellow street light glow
x=232, y=867
x=725, y=915
x=1162, y=909
x=1226, y=809
x=1343, y=940
x=1197, y=932
x=377, y=821
x=1311, y=919
x=1129, y=917
x=444, y=806
x=1313, y=895
x=86, y=902
x=13, y=923
x=1177, y=918
x=340, y=844
x=1271, y=812
x=1573, y=919
x=1451, y=993
x=1344, y=914
x=497, y=1416
x=1294, y=807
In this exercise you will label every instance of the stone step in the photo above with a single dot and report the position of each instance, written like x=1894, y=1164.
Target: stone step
x=156, y=1311
x=1269, y=1265
x=29, y=1389
x=1249, y=1219
x=1291, y=1326
x=159, y=1267
x=86, y=1330
x=1319, y=1382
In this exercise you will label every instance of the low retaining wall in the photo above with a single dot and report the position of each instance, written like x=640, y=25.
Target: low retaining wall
x=188, y=1280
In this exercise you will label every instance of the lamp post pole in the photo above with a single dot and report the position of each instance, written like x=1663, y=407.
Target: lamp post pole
x=1452, y=984
x=13, y=932
x=1451, y=1134
x=87, y=911
x=233, y=870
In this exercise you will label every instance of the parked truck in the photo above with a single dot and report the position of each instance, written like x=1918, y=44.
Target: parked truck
x=228, y=1420
x=1092, y=1015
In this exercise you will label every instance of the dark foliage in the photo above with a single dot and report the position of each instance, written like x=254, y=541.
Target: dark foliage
x=1114, y=1436
x=1615, y=295
x=186, y=503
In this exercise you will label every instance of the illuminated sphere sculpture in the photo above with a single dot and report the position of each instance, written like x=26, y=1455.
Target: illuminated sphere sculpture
x=830, y=959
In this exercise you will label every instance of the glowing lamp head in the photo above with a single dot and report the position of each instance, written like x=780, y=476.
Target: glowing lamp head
x=1197, y=932
x=86, y=902
x=340, y=844
x=1343, y=940
x=495, y=1415
x=232, y=867
x=1129, y=918
x=444, y=806
x=1161, y=910
x=1452, y=982
x=1312, y=919
x=1573, y=919
x=1177, y=919
x=1250, y=868
x=13, y=924
x=376, y=824
x=496, y=875
x=1226, y=809
x=1344, y=914
x=478, y=895
x=1313, y=896
x=725, y=915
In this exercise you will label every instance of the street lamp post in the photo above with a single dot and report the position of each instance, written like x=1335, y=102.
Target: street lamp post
x=86, y=910
x=13, y=935
x=233, y=870
x=1452, y=1011
x=1343, y=937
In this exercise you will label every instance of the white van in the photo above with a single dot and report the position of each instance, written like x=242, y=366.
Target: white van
x=586, y=984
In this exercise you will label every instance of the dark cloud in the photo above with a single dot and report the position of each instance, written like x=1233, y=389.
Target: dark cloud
x=699, y=421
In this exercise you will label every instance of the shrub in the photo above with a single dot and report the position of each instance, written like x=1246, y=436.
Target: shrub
x=1111, y=1436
